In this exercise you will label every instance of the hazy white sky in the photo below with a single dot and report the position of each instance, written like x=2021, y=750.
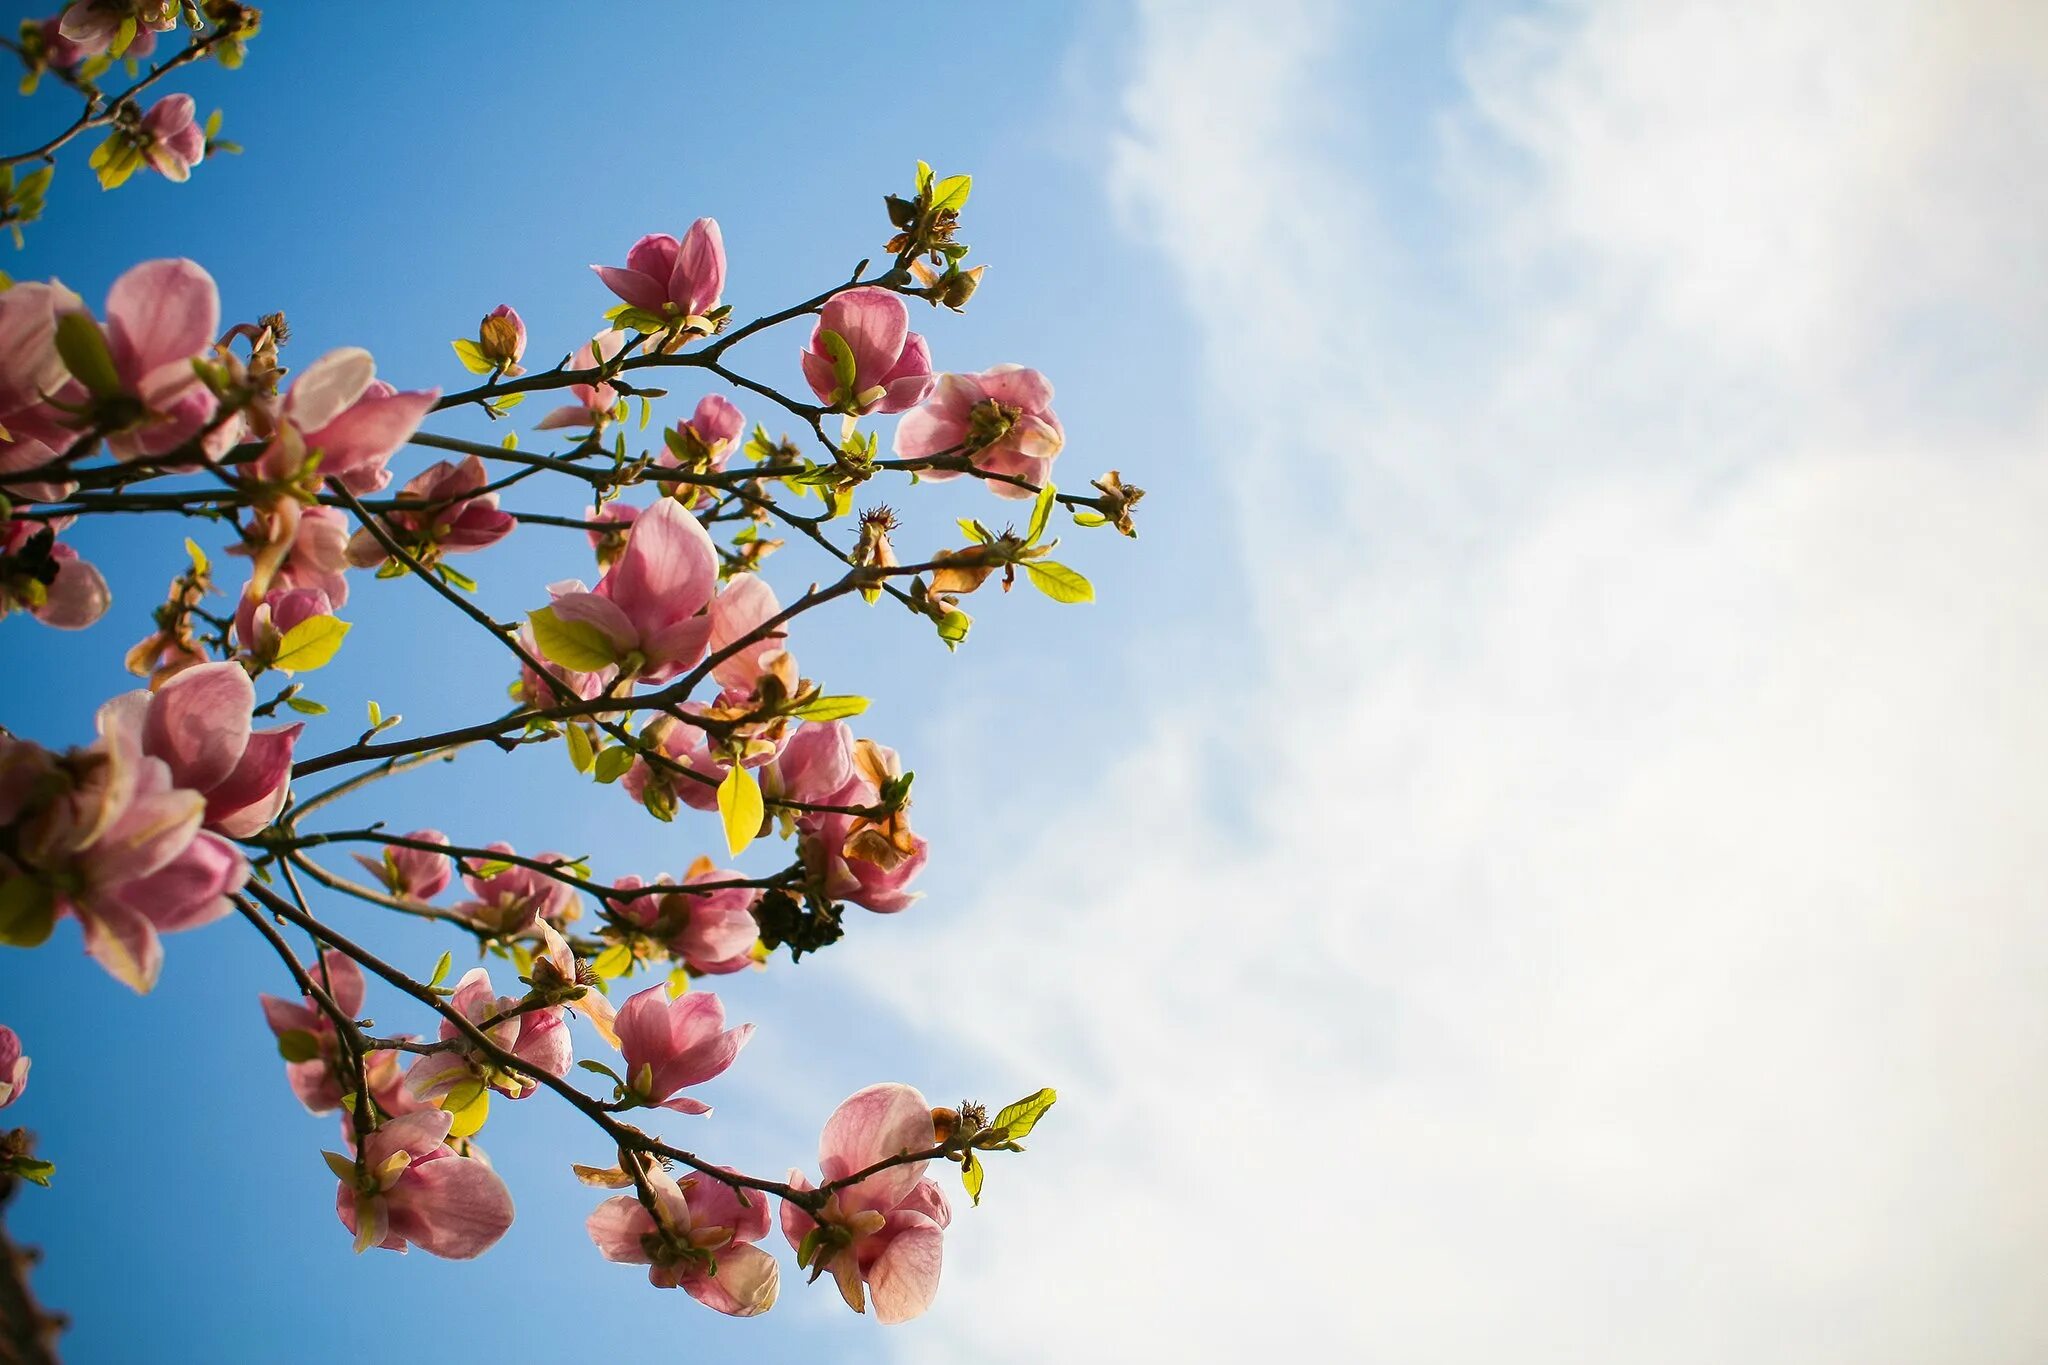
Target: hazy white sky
x=1613, y=927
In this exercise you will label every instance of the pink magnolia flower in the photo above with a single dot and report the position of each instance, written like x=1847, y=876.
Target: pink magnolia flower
x=886, y=1231
x=701, y=445
x=539, y=1037
x=671, y=1044
x=649, y=606
x=611, y=543
x=14, y=1080
x=410, y=873
x=161, y=316
x=104, y=835
x=868, y=862
x=501, y=339
x=510, y=902
x=745, y=605
x=816, y=765
x=683, y=746
x=59, y=52
x=713, y=932
x=298, y=547
x=173, y=141
x=198, y=723
x=891, y=366
x=703, y=1242
x=555, y=971
x=533, y=690
x=321, y=1079
x=353, y=420
x=31, y=370
x=414, y=1190
x=460, y=520
x=594, y=402
x=261, y=623
x=94, y=25
x=676, y=281
x=1001, y=418
x=47, y=579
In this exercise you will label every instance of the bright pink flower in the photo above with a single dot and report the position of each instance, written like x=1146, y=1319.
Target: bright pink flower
x=650, y=605
x=714, y=932
x=678, y=281
x=704, y=443
x=892, y=368
x=308, y=548
x=857, y=859
x=461, y=519
x=47, y=579
x=671, y=1044
x=532, y=690
x=262, y=623
x=702, y=1244
x=509, y=903
x=886, y=1230
x=610, y=544
x=175, y=142
x=816, y=765
x=319, y=1080
x=1002, y=419
x=684, y=746
x=31, y=433
x=410, y=873
x=594, y=402
x=415, y=1190
x=539, y=1037
x=94, y=24
x=352, y=419
x=745, y=605
x=14, y=1080
x=59, y=52
x=199, y=724
x=161, y=316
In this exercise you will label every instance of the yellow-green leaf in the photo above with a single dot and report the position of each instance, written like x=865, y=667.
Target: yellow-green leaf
x=1020, y=1118
x=28, y=912
x=199, y=560
x=1059, y=582
x=469, y=1117
x=951, y=193
x=831, y=708
x=310, y=644
x=580, y=752
x=739, y=805
x=616, y=960
x=971, y=1172
x=83, y=348
x=576, y=645
x=1041, y=511
x=472, y=356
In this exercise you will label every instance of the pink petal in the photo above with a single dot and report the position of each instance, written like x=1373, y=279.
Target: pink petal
x=198, y=723
x=637, y=289
x=1017, y=386
x=745, y=603
x=77, y=597
x=905, y=1279
x=328, y=386
x=255, y=791
x=873, y=323
x=455, y=1207
x=616, y=1227
x=872, y=1125
x=190, y=890
x=124, y=942
x=668, y=570
x=160, y=313
x=699, y=275
x=746, y=1284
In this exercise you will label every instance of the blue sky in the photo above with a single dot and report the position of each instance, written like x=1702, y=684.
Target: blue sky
x=1533, y=856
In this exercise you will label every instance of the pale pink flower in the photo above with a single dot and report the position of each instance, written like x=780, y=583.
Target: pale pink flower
x=32, y=434
x=458, y=521
x=174, y=142
x=414, y=1190
x=594, y=402
x=410, y=873
x=703, y=444
x=649, y=606
x=261, y=623
x=509, y=903
x=857, y=859
x=701, y=1244
x=714, y=932
x=1001, y=419
x=539, y=1037
x=14, y=1080
x=320, y=1080
x=892, y=368
x=161, y=316
x=816, y=765
x=299, y=547
x=672, y=1044
x=678, y=281
x=747, y=604
x=352, y=419
x=886, y=1231
x=47, y=579
x=199, y=724
x=93, y=25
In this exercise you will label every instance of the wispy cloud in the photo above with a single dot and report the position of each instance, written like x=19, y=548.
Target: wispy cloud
x=1610, y=928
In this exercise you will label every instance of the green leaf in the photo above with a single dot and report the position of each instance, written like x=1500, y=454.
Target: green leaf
x=442, y=967
x=297, y=1045
x=505, y=402
x=614, y=961
x=376, y=716
x=1020, y=1118
x=1090, y=519
x=450, y=574
x=344, y=1167
x=1059, y=582
x=953, y=627
x=600, y=1069
x=974, y=531
x=574, y=645
x=646, y=412
x=305, y=706
x=83, y=348
x=951, y=193
x=1041, y=512
x=971, y=1172
x=614, y=763
x=310, y=644
x=924, y=175
x=843, y=369
x=200, y=563
x=739, y=806
x=472, y=356
x=28, y=912
x=34, y=1170
x=831, y=708
x=580, y=752
x=470, y=1115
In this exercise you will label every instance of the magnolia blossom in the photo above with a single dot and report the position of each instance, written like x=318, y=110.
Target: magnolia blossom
x=412, y=1189
x=533, y=690
x=684, y=747
x=538, y=1037
x=869, y=862
x=701, y=445
x=891, y=368
x=672, y=1044
x=742, y=608
x=713, y=932
x=460, y=518
x=677, y=281
x=14, y=1080
x=816, y=765
x=648, y=608
x=410, y=873
x=103, y=834
x=501, y=339
x=94, y=25
x=199, y=724
x=47, y=579
x=320, y=1075
x=509, y=902
x=354, y=421
x=1001, y=419
x=262, y=623
x=173, y=142
x=594, y=402
x=161, y=316
x=886, y=1231
x=610, y=543
x=702, y=1242
x=295, y=546
x=32, y=434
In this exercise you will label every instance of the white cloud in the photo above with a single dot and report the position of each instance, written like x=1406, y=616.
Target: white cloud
x=1624, y=941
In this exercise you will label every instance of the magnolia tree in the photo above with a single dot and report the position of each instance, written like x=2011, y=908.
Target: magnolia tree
x=670, y=684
